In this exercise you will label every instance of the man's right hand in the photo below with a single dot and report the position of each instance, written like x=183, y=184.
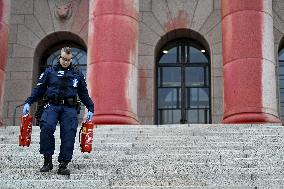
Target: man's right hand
x=26, y=109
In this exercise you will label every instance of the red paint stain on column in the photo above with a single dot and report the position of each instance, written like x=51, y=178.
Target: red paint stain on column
x=242, y=43
x=112, y=58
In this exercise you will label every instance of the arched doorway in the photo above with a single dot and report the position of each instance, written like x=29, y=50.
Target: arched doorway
x=183, y=83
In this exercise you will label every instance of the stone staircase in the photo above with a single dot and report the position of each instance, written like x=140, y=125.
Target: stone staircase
x=154, y=157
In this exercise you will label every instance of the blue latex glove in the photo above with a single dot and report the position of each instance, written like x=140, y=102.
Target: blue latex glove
x=26, y=109
x=89, y=115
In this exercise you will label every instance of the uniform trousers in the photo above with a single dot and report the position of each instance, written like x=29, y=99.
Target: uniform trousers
x=68, y=120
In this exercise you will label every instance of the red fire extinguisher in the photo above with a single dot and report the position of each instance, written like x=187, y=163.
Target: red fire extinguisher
x=25, y=130
x=86, y=136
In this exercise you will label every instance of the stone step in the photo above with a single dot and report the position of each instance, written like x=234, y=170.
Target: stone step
x=164, y=129
x=188, y=130
x=225, y=154
x=162, y=134
x=154, y=139
x=21, y=162
x=172, y=136
x=178, y=125
x=35, y=174
x=151, y=128
x=183, y=139
x=236, y=153
x=167, y=143
x=224, y=184
x=245, y=151
x=148, y=147
x=117, y=175
x=155, y=184
x=202, y=156
x=186, y=187
x=141, y=184
x=53, y=183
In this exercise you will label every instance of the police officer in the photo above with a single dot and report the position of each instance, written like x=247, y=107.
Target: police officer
x=61, y=84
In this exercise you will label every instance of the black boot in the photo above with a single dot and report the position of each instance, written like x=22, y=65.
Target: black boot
x=63, y=168
x=47, y=166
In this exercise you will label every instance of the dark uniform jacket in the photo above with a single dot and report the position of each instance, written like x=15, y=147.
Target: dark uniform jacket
x=57, y=82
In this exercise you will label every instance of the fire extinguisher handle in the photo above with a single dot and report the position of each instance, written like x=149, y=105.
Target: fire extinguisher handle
x=80, y=135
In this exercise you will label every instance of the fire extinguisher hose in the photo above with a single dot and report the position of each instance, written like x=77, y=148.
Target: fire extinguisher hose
x=80, y=134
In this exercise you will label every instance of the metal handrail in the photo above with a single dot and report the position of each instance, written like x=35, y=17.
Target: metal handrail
x=15, y=112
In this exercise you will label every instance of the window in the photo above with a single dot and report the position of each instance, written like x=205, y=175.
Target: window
x=183, y=84
x=51, y=58
x=281, y=82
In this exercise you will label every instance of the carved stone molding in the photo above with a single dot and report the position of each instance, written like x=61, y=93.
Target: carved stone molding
x=63, y=9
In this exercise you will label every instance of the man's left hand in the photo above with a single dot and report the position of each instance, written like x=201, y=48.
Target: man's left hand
x=89, y=115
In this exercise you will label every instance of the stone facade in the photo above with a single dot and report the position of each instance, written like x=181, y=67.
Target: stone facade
x=37, y=25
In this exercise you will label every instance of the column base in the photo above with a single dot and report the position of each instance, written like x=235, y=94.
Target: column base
x=251, y=118
x=114, y=120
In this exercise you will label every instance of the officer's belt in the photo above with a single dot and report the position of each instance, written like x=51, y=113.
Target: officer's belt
x=62, y=101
